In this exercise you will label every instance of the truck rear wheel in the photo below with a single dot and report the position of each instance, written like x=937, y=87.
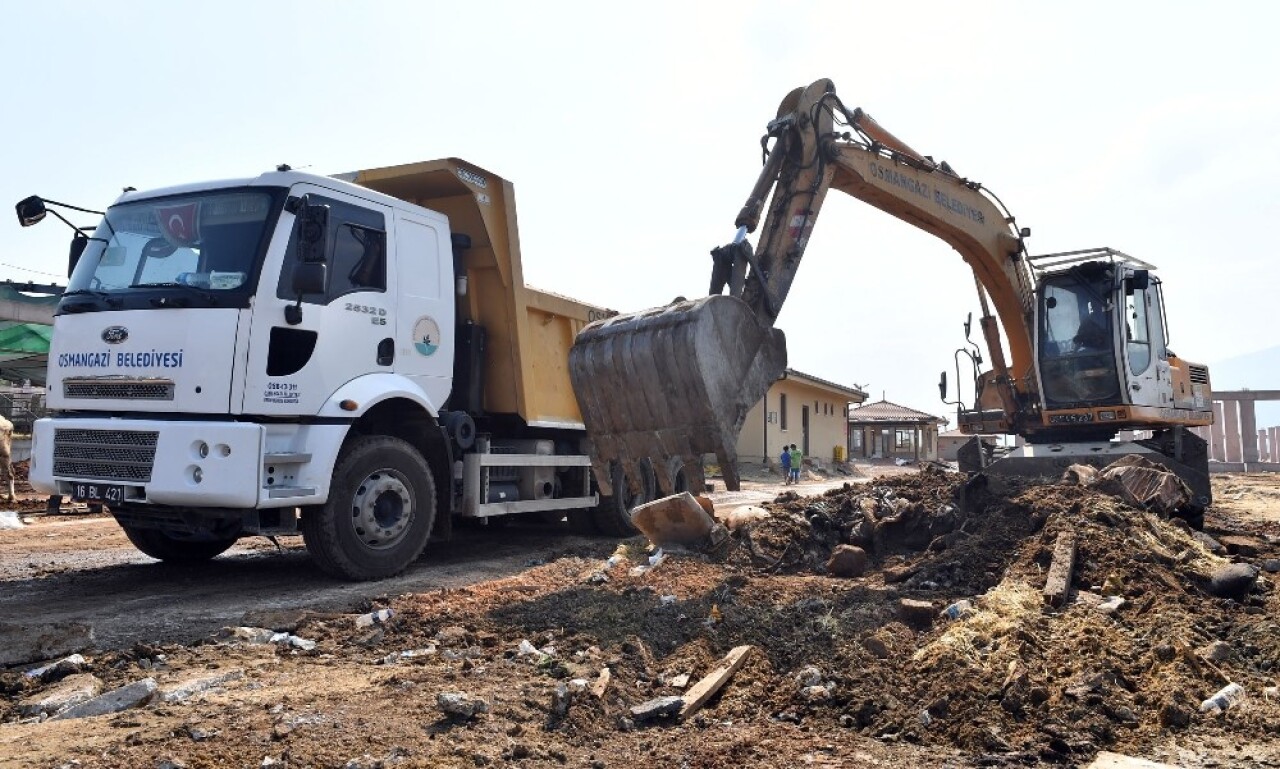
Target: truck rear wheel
x=164, y=547
x=381, y=508
x=612, y=517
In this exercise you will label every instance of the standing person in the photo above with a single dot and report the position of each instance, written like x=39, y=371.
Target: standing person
x=796, y=459
x=785, y=459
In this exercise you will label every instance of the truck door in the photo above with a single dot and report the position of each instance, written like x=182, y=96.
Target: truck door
x=1146, y=364
x=425, y=305
x=344, y=332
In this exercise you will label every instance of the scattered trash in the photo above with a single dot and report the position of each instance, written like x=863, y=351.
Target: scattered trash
x=526, y=648
x=1227, y=696
x=666, y=600
x=9, y=520
x=374, y=618
x=1110, y=605
x=407, y=654
x=959, y=609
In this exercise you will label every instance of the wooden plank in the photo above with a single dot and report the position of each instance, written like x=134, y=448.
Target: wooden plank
x=1057, y=587
x=705, y=689
x=601, y=684
x=1107, y=760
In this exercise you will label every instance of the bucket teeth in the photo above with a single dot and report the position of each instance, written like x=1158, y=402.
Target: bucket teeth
x=671, y=385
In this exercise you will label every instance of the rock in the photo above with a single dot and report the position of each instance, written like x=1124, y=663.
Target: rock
x=817, y=693
x=560, y=700
x=1208, y=542
x=1079, y=475
x=900, y=573
x=1233, y=580
x=657, y=708
x=279, y=620
x=72, y=690
x=678, y=521
x=128, y=696
x=453, y=635
x=680, y=681
x=178, y=692
x=847, y=561
x=1218, y=651
x=24, y=643
x=198, y=734
x=916, y=614
x=1271, y=565
x=809, y=676
x=744, y=516
x=460, y=705
x=876, y=645
x=1173, y=715
x=170, y=763
x=56, y=671
x=1242, y=545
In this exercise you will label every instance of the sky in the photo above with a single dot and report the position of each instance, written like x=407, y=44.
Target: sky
x=631, y=133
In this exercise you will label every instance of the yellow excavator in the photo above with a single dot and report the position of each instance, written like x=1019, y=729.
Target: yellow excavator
x=1088, y=353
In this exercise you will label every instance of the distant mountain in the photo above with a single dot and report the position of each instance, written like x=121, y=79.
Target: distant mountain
x=1254, y=371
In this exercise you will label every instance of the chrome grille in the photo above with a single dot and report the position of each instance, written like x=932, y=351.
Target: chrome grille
x=128, y=389
x=106, y=455
x=1198, y=374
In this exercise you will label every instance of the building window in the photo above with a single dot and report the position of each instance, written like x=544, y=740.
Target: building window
x=903, y=439
x=782, y=411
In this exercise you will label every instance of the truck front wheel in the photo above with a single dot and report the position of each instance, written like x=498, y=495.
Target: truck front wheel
x=164, y=547
x=381, y=507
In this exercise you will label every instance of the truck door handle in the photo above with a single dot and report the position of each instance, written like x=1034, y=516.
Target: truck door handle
x=386, y=352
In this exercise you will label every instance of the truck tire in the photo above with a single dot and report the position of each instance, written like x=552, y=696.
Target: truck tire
x=161, y=546
x=382, y=505
x=612, y=517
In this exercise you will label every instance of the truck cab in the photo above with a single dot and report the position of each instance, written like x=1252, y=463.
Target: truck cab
x=298, y=353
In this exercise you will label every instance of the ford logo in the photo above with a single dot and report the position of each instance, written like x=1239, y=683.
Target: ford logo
x=115, y=334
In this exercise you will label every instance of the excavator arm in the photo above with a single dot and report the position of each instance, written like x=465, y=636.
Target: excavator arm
x=659, y=389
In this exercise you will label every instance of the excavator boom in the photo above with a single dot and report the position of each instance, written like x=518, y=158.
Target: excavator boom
x=663, y=387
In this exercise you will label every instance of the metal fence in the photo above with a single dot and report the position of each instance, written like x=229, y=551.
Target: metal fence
x=23, y=409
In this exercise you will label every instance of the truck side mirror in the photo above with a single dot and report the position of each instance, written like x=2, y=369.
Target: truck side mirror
x=78, y=245
x=31, y=210
x=310, y=278
x=942, y=386
x=313, y=232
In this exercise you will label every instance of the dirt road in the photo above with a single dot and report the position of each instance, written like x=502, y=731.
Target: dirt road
x=83, y=569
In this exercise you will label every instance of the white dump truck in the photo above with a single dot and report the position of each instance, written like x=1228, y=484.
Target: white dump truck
x=355, y=359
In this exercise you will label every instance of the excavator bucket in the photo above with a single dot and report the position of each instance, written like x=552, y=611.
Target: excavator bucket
x=659, y=389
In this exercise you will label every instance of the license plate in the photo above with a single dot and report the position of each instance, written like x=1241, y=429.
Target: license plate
x=97, y=492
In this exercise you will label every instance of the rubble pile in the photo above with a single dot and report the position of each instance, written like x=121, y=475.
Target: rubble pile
x=915, y=613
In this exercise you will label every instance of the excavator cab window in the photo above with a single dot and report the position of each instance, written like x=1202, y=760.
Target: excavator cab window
x=1077, y=348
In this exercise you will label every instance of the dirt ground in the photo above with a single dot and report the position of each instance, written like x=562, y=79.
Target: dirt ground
x=839, y=673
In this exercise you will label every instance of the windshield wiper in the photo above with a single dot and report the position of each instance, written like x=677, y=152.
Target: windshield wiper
x=208, y=297
x=111, y=301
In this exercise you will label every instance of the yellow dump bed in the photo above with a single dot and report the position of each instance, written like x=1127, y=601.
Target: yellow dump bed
x=529, y=331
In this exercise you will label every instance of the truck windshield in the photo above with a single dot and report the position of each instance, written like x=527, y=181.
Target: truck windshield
x=208, y=241
x=1077, y=348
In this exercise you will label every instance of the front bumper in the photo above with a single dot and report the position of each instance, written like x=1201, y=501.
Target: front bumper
x=197, y=464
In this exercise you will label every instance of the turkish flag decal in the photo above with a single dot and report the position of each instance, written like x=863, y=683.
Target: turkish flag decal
x=180, y=224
